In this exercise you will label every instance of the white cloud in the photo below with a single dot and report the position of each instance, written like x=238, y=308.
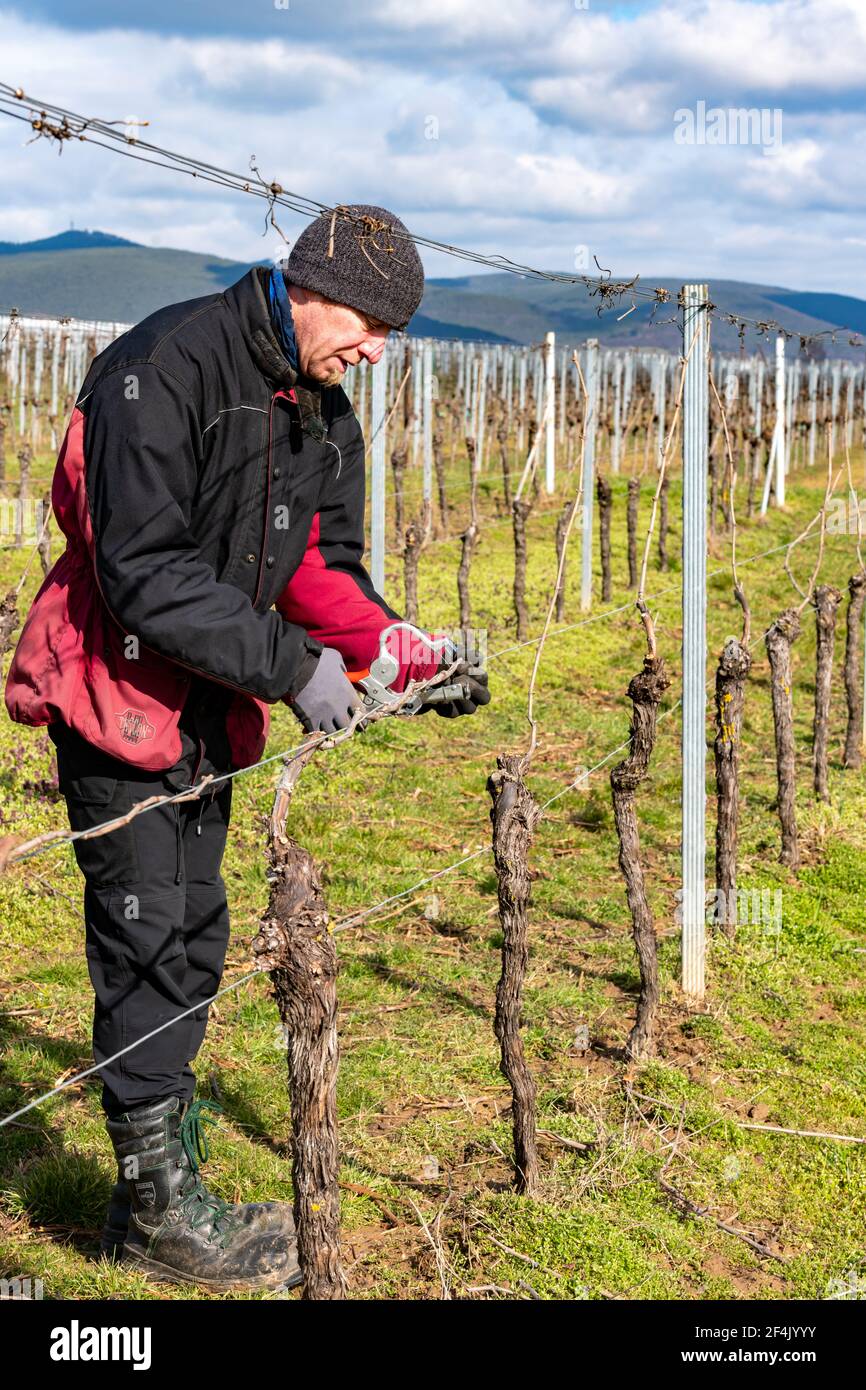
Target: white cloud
x=555, y=127
x=272, y=72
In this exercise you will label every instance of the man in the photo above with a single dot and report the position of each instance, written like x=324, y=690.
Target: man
x=211, y=490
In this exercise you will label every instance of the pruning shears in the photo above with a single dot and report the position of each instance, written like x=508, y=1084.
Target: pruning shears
x=375, y=684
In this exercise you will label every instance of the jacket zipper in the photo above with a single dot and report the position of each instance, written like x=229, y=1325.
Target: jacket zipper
x=192, y=784
x=197, y=762
x=267, y=498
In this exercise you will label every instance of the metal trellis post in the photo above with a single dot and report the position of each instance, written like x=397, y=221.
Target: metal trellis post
x=589, y=473
x=377, y=489
x=695, y=464
x=549, y=405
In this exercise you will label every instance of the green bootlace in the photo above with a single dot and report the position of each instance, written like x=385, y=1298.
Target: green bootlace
x=200, y=1205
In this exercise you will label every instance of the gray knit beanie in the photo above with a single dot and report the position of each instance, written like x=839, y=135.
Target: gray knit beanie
x=352, y=256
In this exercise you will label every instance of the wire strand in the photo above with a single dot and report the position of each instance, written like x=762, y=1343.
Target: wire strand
x=69, y=125
x=73, y=1080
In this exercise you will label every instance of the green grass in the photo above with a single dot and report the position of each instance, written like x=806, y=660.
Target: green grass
x=780, y=1034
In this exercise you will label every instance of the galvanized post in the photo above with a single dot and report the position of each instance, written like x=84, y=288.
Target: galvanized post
x=521, y=398
x=550, y=409
x=617, y=413
x=538, y=387
x=813, y=412
x=660, y=437
x=588, y=483
x=481, y=406
x=563, y=373
x=782, y=443
x=628, y=382
x=428, y=420
x=22, y=400
x=777, y=449
x=377, y=498
x=791, y=387
x=834, y=406
x=695, y=463
x=417, y=392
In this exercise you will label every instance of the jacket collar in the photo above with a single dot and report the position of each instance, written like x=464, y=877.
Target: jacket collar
x=247, y=299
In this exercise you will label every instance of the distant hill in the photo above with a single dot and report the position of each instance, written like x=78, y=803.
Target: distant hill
x=93, y=275
x=98, y=275
x=65, y=241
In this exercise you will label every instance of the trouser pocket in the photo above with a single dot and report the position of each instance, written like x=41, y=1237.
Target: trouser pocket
x=111, y=857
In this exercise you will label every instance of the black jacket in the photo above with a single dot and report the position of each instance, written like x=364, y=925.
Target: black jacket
x=213, y=497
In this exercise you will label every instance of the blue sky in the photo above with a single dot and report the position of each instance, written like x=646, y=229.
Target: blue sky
x=553, y=122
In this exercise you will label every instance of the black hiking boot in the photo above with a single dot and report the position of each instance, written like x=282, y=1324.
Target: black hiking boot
x=180, y=1232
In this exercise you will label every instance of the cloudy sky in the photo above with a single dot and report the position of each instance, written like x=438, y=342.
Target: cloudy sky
x=554, y=126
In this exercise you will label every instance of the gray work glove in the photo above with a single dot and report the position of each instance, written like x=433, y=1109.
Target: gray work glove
x=329, y=699
x=468, y=673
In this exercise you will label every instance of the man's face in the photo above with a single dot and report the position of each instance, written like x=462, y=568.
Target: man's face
x=332, y=337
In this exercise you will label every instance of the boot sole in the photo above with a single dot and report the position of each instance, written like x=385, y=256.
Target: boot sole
x=166, y=1274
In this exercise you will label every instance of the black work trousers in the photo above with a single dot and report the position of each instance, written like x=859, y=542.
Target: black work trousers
x=155, y=912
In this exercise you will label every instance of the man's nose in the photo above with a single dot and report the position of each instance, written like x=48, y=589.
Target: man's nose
x=372, y=349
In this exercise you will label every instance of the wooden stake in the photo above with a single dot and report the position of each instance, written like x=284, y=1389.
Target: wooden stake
x=733, y=669
x=468, y=539
x=663, y=525
x=785, y=630
x=439, y=466
x=9, y=619
x=398, y=468
x=826, y=600
x=604, y=495
x=43, y=544
x=645, y=691
x=295, y=944
x=853, y=669
x=631, y=521
x=502, y=436
x=562, y=529
x=414, y=542
x=514, y=815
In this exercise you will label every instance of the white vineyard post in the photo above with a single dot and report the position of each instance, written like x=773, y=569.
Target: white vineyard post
x=588, y=484
x=428, y=421
x=777, y=448
x=550, y=409
x=377, y=498
x=694, y=652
